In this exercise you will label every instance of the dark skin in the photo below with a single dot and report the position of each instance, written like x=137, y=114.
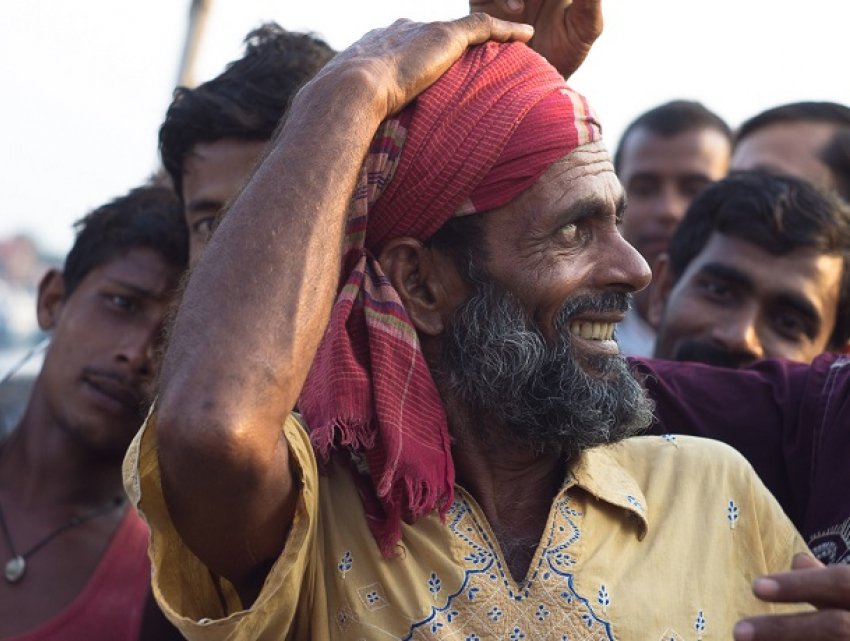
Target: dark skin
x=225, y=440
x=220, y=435
x=64, y=458
x=570, y=29
x=564, y=30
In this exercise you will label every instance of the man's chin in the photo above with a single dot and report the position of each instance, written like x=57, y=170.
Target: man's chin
x=708, y=354
x=596, y=365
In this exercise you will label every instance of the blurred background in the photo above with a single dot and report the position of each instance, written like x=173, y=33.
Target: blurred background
x=85, y=86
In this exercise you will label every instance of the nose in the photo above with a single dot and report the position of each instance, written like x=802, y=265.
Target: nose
x=672, y=205
x=737, y=333
x=623, y=268
x=137, y=349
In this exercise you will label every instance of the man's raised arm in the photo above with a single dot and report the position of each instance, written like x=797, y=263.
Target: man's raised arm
x=257, y=305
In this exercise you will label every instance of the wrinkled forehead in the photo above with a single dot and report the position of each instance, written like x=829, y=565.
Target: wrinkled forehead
x=587, y=172
x=581, y=183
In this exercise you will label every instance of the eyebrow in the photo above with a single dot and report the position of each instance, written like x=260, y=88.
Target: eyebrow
x=142, y=292
x=729, y=274
x=691, y=175
x=203, y=205
x=620, y=211
x=588, y=207
x=799, y=304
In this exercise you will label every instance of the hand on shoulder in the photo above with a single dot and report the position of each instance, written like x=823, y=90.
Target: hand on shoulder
x=827, y=588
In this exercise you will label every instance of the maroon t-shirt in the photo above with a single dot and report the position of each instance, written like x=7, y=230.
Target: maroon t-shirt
x=790, y=420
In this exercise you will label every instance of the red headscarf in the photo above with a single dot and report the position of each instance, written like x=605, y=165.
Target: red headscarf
x=482, y=134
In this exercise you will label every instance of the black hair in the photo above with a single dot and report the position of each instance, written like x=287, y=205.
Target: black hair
x=836, y=156
x=147, y=217
x=776, y=213
x=826, y=112
x=247, y=100
x=671, y=119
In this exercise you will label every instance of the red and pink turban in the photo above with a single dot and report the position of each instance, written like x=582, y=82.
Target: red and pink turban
x=476, y=139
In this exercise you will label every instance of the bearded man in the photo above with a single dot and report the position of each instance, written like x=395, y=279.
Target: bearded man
x=457, y=377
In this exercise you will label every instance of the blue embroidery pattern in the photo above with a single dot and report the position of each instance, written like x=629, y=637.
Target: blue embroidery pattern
x=603, y=598
x=732, y=514
x=345, y=563
x=344, y=617
x=373, y=597
x=634, y=502
x=490, y=604
x=699, y=626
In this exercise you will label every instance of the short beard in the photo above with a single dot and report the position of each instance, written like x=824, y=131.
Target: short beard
x=698, y=352
x=507, y=387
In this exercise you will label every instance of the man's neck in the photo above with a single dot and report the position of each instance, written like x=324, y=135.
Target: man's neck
x=515, y=490
x=42, y=466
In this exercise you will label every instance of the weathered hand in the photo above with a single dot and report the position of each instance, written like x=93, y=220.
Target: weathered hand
x=809, y=581
x=564, y=30
x=404, y=59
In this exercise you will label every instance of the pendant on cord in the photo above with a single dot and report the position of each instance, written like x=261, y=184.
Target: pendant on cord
x=15, y=569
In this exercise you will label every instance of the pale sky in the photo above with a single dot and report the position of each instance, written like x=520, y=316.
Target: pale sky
x=86, y=84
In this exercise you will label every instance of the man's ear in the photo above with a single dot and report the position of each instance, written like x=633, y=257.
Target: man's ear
x=51, y=298
x=662, y=283
x=427, y=282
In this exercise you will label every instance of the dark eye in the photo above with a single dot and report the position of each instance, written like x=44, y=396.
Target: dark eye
x=642, y=188
x=715, y=290
x=693, y=188
x=790, y=326
x=203, y=227
x=125, y=303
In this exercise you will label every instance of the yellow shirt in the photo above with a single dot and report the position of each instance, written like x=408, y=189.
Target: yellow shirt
x=655, y=538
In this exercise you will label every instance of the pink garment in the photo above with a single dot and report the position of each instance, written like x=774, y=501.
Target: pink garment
x=112, y=603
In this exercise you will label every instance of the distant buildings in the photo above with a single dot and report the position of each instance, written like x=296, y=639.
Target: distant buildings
x=21, y=267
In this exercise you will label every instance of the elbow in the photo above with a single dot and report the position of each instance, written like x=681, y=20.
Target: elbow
x=200, y=439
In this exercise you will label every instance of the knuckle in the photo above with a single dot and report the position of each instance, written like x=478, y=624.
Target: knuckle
x=842, y=579
x=837, y=624
x=479, y=19
x=442, y=31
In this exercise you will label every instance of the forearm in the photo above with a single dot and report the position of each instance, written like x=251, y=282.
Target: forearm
x=250, y=322
x=255, y=308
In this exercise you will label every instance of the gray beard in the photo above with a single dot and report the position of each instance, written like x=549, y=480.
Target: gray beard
x=507, y=387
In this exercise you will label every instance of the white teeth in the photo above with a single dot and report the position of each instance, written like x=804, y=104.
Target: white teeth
x=592, y=330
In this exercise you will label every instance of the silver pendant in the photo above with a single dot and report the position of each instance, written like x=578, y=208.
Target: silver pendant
x=15, y=569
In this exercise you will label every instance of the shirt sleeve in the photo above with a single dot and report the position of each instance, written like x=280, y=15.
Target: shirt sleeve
x=199, y=604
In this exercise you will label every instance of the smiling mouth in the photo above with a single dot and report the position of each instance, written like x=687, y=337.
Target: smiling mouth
x=592, y=331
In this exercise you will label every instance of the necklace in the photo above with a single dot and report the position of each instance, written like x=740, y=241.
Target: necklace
x=16, y=567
